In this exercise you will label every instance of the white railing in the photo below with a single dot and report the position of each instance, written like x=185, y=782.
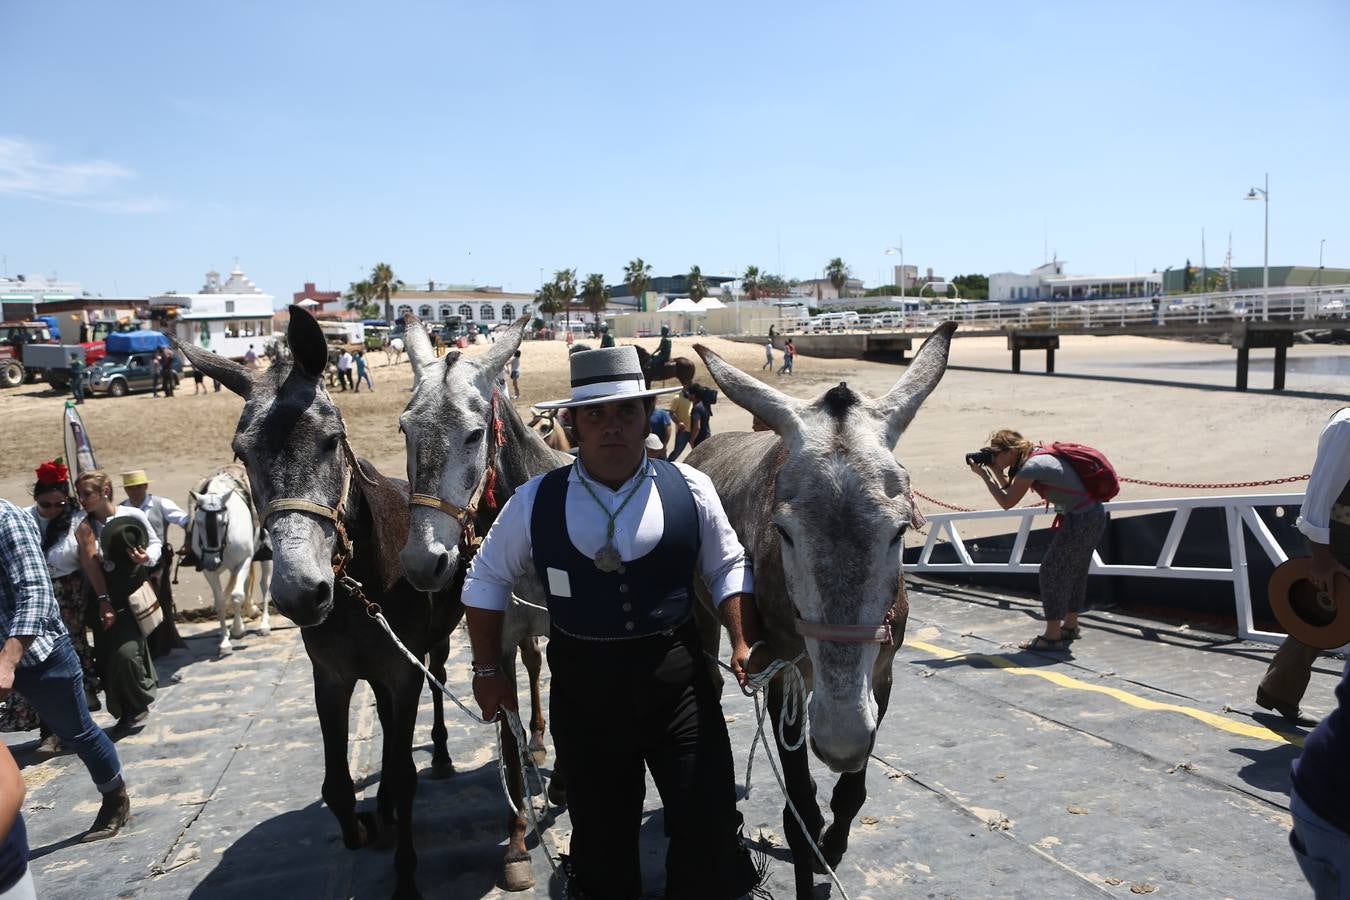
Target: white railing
x=1297, y=303
x=1240, y=515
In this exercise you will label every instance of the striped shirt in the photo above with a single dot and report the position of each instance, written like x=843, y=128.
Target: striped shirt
x=27, y=604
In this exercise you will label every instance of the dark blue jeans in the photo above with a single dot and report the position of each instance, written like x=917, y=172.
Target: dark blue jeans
x=55, y=688
x=681, y=441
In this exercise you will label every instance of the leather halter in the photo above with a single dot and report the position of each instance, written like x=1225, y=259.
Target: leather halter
x=855, y=634
x=343, y=552
x=464, y=515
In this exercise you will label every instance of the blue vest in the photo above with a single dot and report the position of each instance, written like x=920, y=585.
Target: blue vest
x=653, y=594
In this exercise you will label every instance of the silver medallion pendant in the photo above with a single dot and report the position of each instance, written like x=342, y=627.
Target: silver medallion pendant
x=607, y=559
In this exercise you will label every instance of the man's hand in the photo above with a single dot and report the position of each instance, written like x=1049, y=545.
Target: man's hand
x=138, y=555
x=107, y=617
x=6, y=678
x=493, y=692
x=1324, y=567
x=744, y=663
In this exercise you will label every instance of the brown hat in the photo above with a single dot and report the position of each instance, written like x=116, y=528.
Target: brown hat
x=1318, y=619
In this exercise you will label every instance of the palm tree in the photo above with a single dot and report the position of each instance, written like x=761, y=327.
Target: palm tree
x=565, y=280
x=595, y=295
x=638, y=276
x=838, y=273
x=750, y=283
x=358, y=297
x=698, y=288
x=384, y=286
x=547, y=302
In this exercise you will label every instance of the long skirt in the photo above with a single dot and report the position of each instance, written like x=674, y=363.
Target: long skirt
x=124, y=663
x=17, y=714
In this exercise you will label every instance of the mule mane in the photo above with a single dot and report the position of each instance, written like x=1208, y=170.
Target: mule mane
x=839, y=400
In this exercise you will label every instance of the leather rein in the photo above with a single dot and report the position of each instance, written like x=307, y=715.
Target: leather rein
x=343, y=552
x=485, y=489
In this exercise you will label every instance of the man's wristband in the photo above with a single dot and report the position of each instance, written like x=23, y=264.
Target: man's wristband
x=104, y=598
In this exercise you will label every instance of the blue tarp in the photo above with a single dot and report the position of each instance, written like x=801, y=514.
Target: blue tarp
x=135, y=341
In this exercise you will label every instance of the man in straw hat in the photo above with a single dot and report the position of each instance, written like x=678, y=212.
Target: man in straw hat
x=1319, y=799
x=161, y=513
x=630, y=683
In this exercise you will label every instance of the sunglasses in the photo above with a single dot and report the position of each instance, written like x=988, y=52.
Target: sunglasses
x=57, y=505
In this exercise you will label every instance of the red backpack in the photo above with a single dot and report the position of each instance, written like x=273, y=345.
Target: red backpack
x=1093, y=468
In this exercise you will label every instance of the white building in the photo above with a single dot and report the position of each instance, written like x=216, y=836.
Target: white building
x=1048, y=282
x=826, y=294
x=38, y=288
x=473, y=307
x=225, y=318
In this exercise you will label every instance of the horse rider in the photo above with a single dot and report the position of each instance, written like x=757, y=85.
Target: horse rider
x=663, y=351
x=161, y=513
x=631, y=687
x=606, y=339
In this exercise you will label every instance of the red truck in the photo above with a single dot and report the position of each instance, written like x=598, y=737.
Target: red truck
x=18, y=366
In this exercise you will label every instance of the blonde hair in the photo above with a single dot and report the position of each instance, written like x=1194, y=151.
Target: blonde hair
x=1007, y=439
x=99, y=479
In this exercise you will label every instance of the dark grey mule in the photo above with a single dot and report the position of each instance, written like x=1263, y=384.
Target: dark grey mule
x=821, y=504
x=292, y=440
x=468, y=452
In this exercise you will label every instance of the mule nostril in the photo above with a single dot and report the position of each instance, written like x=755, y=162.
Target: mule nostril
x=442, y=563
x=322, y=593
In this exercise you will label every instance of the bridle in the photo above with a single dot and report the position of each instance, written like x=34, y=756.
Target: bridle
x=485, y=489
x=216, y=523
x=856, y=634
x=343, y=552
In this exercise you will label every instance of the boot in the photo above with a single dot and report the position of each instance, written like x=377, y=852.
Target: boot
x=112, y=815
x=49, y=746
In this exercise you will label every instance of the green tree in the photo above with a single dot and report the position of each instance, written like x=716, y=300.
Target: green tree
x=547, y=301
x=384, y=285
x=638, y=276
x=594, y=294
x=566, y=283
x=1188, y=278
x=698, y=288
x=972, y=287
x=773, y=286
x=750, y=283
x=838, y=272
x=360, y=297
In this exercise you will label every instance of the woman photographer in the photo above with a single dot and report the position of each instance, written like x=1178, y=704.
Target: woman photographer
x=1009, y=470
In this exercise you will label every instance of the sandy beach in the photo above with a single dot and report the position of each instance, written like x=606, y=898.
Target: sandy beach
x=1161, y=410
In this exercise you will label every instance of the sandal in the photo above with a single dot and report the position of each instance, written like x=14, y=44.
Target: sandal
x=1042, y=643
x=1071, y=634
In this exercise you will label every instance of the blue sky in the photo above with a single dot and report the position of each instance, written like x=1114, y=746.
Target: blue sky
x=142, y=144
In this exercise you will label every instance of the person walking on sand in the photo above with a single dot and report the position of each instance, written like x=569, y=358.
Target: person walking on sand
x=768, y=356
x=515, y=374
x=789, y=356
x=344, y=370
x=362, y=371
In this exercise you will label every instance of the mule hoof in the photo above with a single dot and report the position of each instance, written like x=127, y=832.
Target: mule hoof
x=234, y=636
x=226, y=649
x=367, y=830
x=442, y=770
x=518, y=875
x=265, y=631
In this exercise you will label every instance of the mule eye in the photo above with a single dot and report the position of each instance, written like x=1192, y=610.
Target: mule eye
x=899, y=534
x=474, y=437
x=782, y=533
x=331, y=443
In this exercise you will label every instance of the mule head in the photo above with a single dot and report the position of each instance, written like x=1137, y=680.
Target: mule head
x=447, y=427
x=840, y=507
x=210, y=528
x=290, y=439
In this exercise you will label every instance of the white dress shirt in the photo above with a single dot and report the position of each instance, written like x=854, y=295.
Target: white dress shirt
x=1330, y=472
x=173, y=513
x=506, y=555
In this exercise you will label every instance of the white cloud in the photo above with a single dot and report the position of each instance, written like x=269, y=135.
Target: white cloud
x=27, y=170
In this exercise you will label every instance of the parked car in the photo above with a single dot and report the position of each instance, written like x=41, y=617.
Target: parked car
x=118, y=374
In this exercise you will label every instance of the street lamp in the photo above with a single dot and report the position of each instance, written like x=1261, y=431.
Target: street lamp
x=891, y=251
x=1320, y=247
x=1265, y=260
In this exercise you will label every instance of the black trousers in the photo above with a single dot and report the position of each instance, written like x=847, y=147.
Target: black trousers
x=619, y=709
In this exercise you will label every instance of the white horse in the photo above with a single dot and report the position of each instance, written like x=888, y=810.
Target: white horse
x=224, y=535
x=393, y=351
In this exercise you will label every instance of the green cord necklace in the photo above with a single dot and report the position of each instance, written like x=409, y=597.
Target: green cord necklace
x=607, y=559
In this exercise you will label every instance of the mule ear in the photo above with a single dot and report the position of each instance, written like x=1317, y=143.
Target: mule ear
x=898, y=407
x=196, y=497
x=420, y=352
x=228, y=372
x=500, y=353
x=308, y=345
x=781, y=412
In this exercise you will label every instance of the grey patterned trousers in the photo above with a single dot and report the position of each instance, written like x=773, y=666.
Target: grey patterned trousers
x=1064, y=571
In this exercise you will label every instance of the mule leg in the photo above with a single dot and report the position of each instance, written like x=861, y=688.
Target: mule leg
x=441, y=765
x=517, y=873
x=399, y=767
x=534, y=663
x=265, y=584
x=801, y=790
x=386, y=795
x=332, y=701
x=218, y=592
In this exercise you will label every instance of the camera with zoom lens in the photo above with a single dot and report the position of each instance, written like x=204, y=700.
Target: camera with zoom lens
x=982, y=457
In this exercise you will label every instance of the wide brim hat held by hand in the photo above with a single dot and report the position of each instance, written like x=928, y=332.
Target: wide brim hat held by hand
x=604, y=376
x=1319, y=619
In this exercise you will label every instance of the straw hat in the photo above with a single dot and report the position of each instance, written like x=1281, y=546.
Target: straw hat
x=606, y=375
x=134, y=478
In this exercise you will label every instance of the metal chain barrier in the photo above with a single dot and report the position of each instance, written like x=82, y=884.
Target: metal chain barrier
x=1183, y=485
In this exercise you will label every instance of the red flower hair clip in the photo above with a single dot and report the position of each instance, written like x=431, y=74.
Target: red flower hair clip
x=53, y=472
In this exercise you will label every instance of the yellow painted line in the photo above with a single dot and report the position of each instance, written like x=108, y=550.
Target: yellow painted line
x=1214, y=720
